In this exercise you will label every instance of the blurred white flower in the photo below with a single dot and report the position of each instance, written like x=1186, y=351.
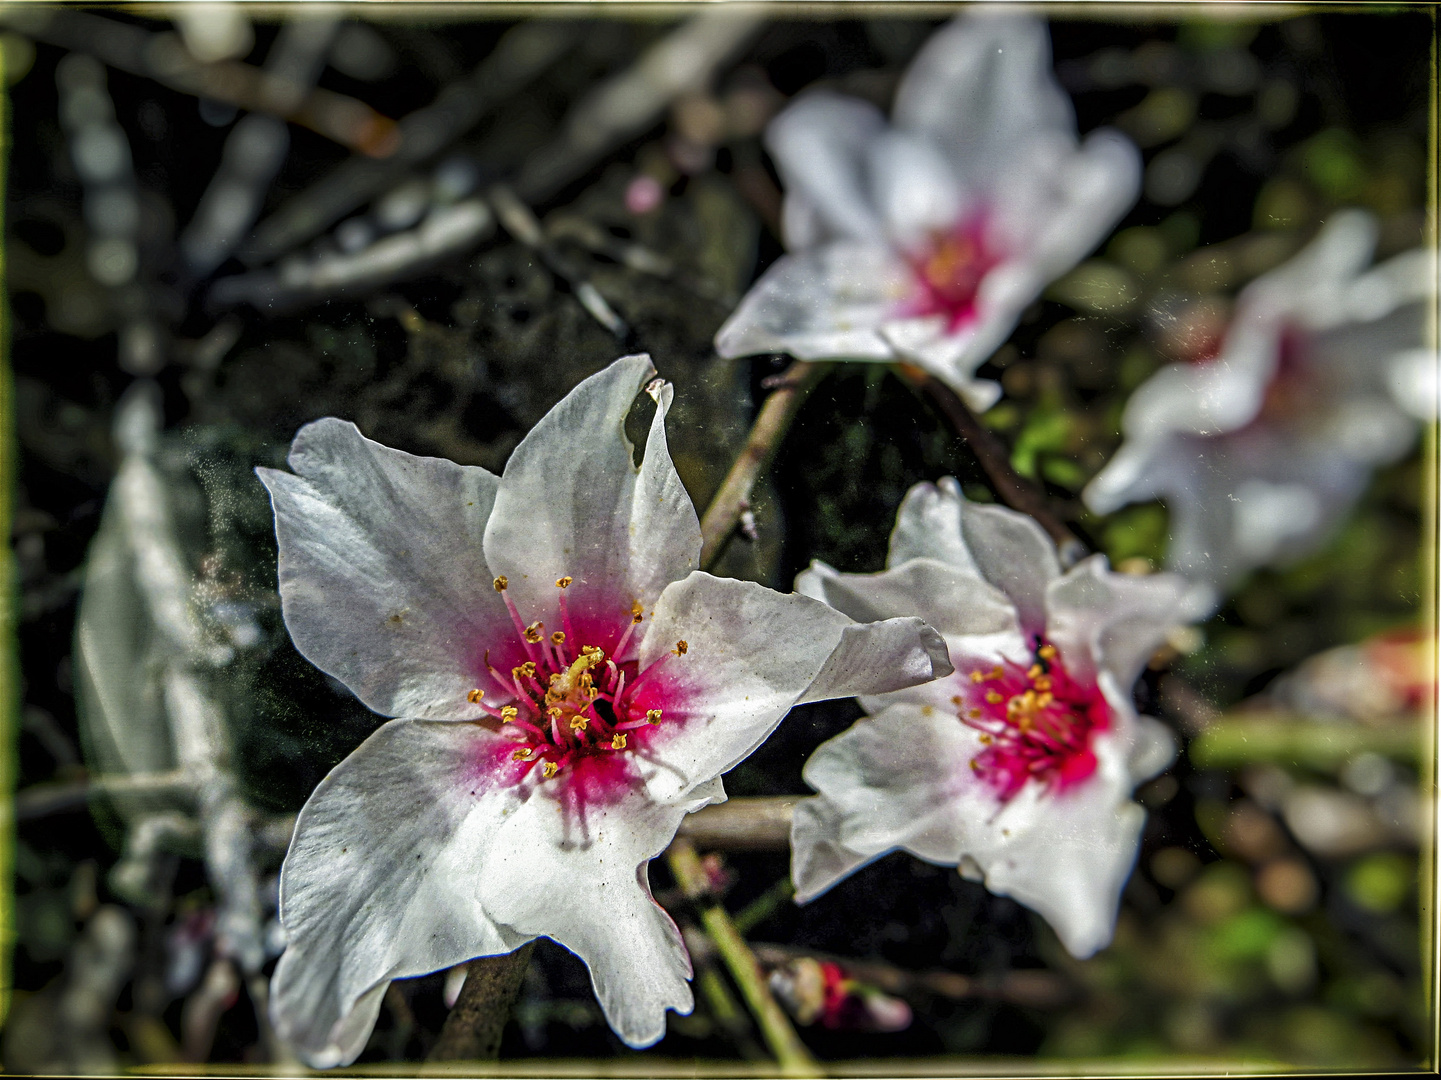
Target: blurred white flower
x=570, y=687
x=1018, y=768
x=1263, y=441
x=924, y=239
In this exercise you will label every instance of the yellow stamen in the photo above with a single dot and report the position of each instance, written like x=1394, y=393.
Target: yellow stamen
x=509, y=713
x=563, y=582
x=555, y=711
x=993, y=697
x=1034, y=671
x=636, y=611
x=549, y=769
x=997, y=672
x=617, y=741
x=558, y=638
x=526, y=669
x=475, y=695
x=533, y=632
x=978, y=676
x=578, y=723
x=680, y=648
x=1043, y=683
x=1046, y=652
x=592, y=650
x=523, y=754
x=957, y=700
x=975, y=714
x=652, y=716
x=500, y=583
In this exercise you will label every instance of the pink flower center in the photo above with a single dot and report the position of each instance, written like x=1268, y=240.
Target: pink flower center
x=949, y=270
x=578, y=697
x=1036, y=723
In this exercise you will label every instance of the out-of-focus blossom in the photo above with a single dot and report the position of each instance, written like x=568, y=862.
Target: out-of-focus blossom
x=1018, y=768
x=1263, y=441
x=570, y=686
x=924, y=239
x=821, y=991
x=1383, y=679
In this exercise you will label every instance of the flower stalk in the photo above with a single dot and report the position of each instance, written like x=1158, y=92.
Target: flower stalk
x=780, y=1036
x=766, y=435
x=472, y=1030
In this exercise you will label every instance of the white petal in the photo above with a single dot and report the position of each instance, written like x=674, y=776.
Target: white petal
x=953, y=356
x=823, y=303
x=382, y=880
x=751, y=654
x=382, y=579
x=571, y=503
x=879, y=657
x=576, y=872
x=818, y=859
x=818, y=144
x=913, y=187
x=1412, y=380
x=980, y=87
x=1103, y=620
x=1014, y=554
x=928, y=526
x=951, y=600
x=900, y=779
x=1154, y=750
x=1313, y=287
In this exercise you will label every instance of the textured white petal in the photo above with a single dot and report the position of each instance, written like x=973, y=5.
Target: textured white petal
x=981, y=87
x=1015, y=555
x=823, y=303
x=382, y=880
x=1412, y=380
x=575, y=871
x=751, y=654
x=879, y=657
x=913, y=187
x=382, y=578
x=1119, y=619
x=1153, y=751
x=1312, y=287
x=572, y=503
x=928, y=526
x=953, y=357
x=951, y=600
x=818, y=859
x=818, y=145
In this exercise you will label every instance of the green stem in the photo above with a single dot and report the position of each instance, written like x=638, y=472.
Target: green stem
x=790, y=1053
x=1323, y=745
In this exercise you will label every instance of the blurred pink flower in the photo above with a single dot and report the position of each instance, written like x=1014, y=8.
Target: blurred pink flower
x=1019, y=767
x=924, y=239
x=1261, y=443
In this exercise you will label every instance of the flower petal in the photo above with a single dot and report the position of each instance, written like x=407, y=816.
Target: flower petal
x=1119, y=620
x=982, y=87
x=818, y=145
x=1015, y=555
x=382, y=881
x=818, y=859
x=822, y=303
x=928, y=526
x=951, y=600
x=571, y=503
x=382, y=579
x=577, y=873
x=878, y=657
x=912, y=185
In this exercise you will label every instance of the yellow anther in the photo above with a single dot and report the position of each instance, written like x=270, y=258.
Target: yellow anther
x=592, y=650
x=993, y=697
x=975, y=765
x=592, y=692
x=549, y=769
x=957, y=700
x=617, y=741
x=555, y=677
x=997, y=672
x=1043, y=683
x=636, y=611
x=526, y=669
x=680, y=648
x=500, y=583
x=578, y=723
x=1046, y=652
x=509, y=713
x=1045, y=700
x=475, y=695
x=978, y=676
x=533, y=632
x=652, y=716
x=563, y=582
x=1034, y=671
x=523, y=754
x=558, y=638
x=555, y=711
x=975, y=714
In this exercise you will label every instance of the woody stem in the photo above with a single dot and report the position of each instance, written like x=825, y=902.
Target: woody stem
x=472, y=1030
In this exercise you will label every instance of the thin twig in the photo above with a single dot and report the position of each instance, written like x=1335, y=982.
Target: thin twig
x=765, y=437
x=40, y=800
x=790, y=1053
x=754, y=824
x=1013, y=489
x=472, y=1030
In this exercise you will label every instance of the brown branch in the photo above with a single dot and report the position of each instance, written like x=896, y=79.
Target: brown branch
x=1013, y=489
x=472, y=1030
x=755, y=824
x=766, y=434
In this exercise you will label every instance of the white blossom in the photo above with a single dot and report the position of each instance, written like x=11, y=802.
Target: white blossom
x=924, y=239
x=568, y=687
x=1259, y=445
x=1019, y=767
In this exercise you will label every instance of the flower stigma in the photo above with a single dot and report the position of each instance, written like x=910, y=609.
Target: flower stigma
x=1036, y=723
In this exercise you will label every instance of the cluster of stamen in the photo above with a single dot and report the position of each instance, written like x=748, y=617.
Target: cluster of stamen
x=949, y=271
x=569, y=701
x=1036, y=723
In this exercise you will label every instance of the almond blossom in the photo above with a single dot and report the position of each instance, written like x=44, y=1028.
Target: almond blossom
x=1019, y=767
x=568, y=686
x=924, y=239
x=1263, y=439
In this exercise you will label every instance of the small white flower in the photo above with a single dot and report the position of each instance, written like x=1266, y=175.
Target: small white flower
x=924, y=239
x=1260, y=445
x=569, y=687
x=1018, y=768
